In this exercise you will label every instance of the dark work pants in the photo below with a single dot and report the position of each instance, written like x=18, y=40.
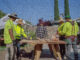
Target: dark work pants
x=18, y=48
x=62, y=50
x=62, y=46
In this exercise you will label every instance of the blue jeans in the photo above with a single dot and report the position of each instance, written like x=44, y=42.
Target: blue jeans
x=70, y=45
x=18, y=50
x=18, y=47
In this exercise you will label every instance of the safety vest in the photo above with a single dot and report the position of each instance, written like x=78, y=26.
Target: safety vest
x=75, y=29
x=67, y=29
x=9, y=25
x=19, y=32
x=60, y=28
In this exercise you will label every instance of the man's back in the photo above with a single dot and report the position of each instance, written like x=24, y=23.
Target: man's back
x=67, y=29
x=41, y=32
x=9, y=25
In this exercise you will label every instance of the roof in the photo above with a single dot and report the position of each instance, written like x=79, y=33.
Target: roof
x=3, y=21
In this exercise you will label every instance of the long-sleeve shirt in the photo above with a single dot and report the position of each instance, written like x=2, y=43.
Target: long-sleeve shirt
x=19, y=32
x=75, y=29
x=41, y=32
x=60, y=29
x=67, y=29
x=9, y=25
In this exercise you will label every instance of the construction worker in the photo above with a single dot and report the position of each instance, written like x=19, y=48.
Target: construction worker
x=61, y=37
x=19, y=30
x=19, y=34
x=41, y=33
x=67, y=31
x=9, y=37
x=75, y=30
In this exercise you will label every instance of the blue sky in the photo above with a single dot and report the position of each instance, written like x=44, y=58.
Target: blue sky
x=32, y=10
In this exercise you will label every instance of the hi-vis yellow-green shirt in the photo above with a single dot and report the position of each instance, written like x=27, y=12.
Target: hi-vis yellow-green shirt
x=67, y=29
x=75, y=29
x=9, y=25
x=60, y=28
x=19, y=31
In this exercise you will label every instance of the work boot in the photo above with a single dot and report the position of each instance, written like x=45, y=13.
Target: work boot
x=76, y=56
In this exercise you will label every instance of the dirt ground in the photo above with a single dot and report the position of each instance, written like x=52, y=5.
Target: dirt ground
x=44, y=56
x=27, y=56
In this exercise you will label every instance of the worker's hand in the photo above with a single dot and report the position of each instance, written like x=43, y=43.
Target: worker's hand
x=1, y=38
x=55, y=38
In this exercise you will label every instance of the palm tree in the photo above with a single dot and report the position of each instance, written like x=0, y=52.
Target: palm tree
x=56, y=10
x=66, y=7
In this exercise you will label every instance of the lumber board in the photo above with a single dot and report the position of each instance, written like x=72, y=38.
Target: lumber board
x=42, y=41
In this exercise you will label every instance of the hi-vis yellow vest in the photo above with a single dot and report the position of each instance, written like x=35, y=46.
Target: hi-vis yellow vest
x=67, y=29
x=19, y=31
x=60, y=29
x=9, y=25
x=75, y=29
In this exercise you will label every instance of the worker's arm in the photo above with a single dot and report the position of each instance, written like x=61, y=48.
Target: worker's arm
x=24, y=34
x=59, y=30
x=77, y=28
x=1, y=38
x=11, y=34
x=64, y=29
